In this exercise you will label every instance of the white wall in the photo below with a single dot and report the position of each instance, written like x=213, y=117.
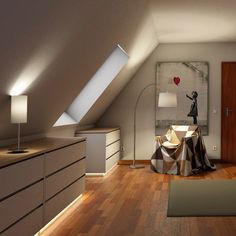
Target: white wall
x=120, y=113
x=51, y=49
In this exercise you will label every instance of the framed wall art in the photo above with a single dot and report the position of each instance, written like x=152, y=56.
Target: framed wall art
x=189, y=80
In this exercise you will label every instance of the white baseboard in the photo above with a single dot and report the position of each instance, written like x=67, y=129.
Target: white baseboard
x=95, y=174
x=101, y=174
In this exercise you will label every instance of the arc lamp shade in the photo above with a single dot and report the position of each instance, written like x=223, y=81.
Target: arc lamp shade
x=167, y=99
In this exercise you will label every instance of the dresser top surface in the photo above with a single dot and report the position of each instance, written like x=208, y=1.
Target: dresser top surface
x=35, y=148
x=97, y=131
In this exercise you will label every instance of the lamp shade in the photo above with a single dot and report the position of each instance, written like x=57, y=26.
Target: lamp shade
x=19, y=109
x=167, y=99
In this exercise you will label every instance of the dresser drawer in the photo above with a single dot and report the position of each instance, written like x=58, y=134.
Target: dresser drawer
x=63, y=178
x=18, y=205
x=62, y=157
x=112, y=161
x=19, y=175
x=28, y=226
x=56, y=204
x=112, y=148
x=112, y=137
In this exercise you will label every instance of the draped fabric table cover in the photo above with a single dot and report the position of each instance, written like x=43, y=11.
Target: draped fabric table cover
x=181, y=152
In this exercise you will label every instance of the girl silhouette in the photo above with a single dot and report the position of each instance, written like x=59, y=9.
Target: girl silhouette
x=193, y=109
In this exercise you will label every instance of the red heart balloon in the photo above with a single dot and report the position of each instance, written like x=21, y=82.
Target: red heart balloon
x=176, y=80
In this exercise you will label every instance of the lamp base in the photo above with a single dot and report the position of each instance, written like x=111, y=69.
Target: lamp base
x=136, y=166
x=17, y=150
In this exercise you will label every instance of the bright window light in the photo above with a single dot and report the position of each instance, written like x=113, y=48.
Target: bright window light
x=64, y=119
x=97, y=84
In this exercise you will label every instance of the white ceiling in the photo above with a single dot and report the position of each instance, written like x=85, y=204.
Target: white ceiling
x=179, y=21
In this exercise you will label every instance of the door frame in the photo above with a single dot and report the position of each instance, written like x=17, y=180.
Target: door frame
x=222, y=107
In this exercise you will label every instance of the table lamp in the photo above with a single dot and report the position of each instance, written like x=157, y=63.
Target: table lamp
x=18, y=116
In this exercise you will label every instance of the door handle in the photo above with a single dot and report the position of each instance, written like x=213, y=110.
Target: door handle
x=227, y=111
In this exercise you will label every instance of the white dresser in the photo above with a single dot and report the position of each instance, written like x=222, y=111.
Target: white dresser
x=102, y=149
x=37, y=185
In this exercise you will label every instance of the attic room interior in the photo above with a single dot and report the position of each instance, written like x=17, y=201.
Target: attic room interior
x=117, y=117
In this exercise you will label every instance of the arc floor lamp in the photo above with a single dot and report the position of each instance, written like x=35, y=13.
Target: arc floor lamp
x=166, y=99
x=134, y=165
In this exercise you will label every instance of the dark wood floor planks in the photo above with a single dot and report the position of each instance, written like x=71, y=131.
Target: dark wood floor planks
x=134, y=202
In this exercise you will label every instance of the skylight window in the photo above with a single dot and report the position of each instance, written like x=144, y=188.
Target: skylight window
x=65, y=119
x=97, y=84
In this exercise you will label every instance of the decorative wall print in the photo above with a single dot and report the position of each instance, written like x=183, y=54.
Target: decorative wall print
x=182, y=78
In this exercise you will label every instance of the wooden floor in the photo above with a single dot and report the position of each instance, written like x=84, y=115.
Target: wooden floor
x=134, y=202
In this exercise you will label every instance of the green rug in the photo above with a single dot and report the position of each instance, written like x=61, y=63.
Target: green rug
x=202, y=198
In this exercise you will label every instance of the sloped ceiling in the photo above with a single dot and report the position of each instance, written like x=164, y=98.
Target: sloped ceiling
x=175, y=21
x=57, y=45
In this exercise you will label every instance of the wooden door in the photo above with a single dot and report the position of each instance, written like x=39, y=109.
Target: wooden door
x=228, y=112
